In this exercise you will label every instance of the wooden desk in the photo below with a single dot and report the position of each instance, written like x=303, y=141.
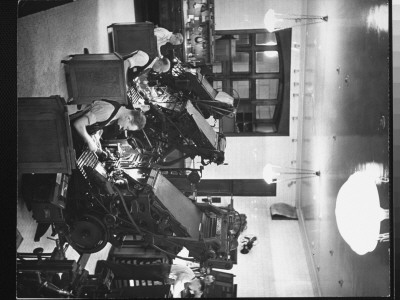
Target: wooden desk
x=96, y=76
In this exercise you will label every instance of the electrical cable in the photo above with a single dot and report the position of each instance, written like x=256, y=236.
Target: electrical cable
x=126, y=209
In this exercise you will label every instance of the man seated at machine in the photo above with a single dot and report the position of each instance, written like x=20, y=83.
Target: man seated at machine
x=138, y=67
x=140, y=58
x=164, y=36
x=138, y=63
x=181, y=277
x=102, y=113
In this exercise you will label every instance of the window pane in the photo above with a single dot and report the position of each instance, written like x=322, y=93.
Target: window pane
x=244, y=122
x=265, y=112
x=241, y=62
x=242, y=39
x=217, y=67
x=217, y=85
x=247, y=127
x=266, y=38
x=267, y=88
x=267, y=62
x=265, y=128
x=242, y=87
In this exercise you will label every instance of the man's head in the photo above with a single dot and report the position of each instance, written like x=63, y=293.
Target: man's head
x=196, y=285
x=161, y=65
x=209, y=279
x=132, y=120
x=176, y=39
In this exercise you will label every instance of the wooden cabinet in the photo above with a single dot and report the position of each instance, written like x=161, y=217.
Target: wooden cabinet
x=44, y=136
x=125, y=38
x=96, y=76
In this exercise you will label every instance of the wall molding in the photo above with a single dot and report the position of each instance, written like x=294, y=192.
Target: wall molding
x=309, y=257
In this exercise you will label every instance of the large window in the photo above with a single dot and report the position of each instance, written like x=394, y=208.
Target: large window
x=255, y=72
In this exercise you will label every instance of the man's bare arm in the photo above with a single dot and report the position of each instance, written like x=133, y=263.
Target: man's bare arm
x=80, y=126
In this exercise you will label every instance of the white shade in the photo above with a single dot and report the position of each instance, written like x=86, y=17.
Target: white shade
x=269, y=174
x=270, y=20
x=358, y=212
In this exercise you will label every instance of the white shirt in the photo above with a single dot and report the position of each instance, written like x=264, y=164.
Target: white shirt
x=99, y=112
x=139, y=59
x=181, y=274
x=162, y=35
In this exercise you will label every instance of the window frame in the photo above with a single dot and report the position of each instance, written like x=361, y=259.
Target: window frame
x=228, y=76
x=250, y=64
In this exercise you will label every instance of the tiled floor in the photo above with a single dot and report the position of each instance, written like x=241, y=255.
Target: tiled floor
x=346, y=94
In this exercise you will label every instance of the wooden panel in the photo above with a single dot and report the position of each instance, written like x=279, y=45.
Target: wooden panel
x=95, y=83
x=214, y=187
x=253, y=187
x=44, y=137
x=43, y=146
x=96, y=76
x=129, y=37
x=236, y=187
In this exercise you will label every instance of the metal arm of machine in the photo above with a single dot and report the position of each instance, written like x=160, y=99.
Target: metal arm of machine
x=126, y=208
